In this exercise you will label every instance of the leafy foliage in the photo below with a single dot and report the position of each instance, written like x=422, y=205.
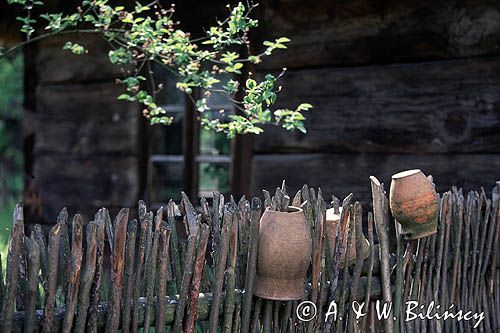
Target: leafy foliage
x=148, y=34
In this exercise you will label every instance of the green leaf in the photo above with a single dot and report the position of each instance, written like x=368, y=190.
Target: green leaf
x=282, y=40
x=250, y=84
x=304, y=107
x=302, y=129
x=140, y=8
x=74, y=48
x=124, y=97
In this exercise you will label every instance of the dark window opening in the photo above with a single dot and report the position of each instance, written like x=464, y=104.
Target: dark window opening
x=184, y=156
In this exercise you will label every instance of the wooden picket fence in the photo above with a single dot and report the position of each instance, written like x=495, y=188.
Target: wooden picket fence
x=129, y=275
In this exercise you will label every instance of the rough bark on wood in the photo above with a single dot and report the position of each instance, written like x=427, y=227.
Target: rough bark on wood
x=42, y=246
x=87, y=276
x=189, y=259
x=319, y=218
x=63, y=268
x=359, y=239
x=243, y=244
x=74, y=272
x=458, y=241
x=150, y=273
x=381, y=216
x=95, y=289
x=229, y=211
x=229, y=301
x=117, y=267
x=33, y=251
x=162, y=276
x=144, y=227
x=199, y=264
x=217, y=214
x=12, y=270
x=370, y=269
x=340, y=243
x=129, y=275
x=174, y=245
x=346, y=278
x=251, y=264
x=52, y=267
x=256, y=315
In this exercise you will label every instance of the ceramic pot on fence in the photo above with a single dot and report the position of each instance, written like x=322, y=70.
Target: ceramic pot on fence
x=283, y=256
x=331, y=225
x=414, y=203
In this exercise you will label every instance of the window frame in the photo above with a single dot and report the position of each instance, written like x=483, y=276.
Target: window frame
x=191, y=158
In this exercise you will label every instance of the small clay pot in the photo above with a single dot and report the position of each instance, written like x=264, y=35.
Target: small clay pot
x=332, y=222
x=414, y=203
x=283, y=256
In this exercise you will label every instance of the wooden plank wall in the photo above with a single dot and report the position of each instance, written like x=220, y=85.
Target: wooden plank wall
x=395, y=85
x=86, y=143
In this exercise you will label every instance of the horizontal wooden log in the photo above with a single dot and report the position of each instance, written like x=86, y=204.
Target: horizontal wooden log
x=203, y=308
x=55, y=65
x=362, y=31
x=85, y=119
x=435, y=107
x=86, y=184
x=340, y=174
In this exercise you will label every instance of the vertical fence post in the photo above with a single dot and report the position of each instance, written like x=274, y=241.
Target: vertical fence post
x=74, y=272
x=381, y=217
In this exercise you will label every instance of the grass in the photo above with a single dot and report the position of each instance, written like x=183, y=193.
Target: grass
x=5, y=228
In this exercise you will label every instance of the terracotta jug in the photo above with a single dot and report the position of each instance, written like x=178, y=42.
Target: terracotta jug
x=283, y=256
x=414, y=203
x=331, y=224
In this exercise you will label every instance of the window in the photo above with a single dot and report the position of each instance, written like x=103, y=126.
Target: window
x=184, y=156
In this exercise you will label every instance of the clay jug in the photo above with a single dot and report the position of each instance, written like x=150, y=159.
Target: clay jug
x=283, y=255
x=332, y=222
x=414, y=203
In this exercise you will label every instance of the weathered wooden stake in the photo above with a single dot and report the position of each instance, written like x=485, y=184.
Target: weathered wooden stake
x=87, y=277
x=145, y=221
x=53, y=263
x=193, y=239
x=74, y=272
x=117, y=268
x=229, y=301
x=129, y=275
x=251, y=264
x=358, y=232
x=150, y=274
x=33, y=252
x=162, y=278
x=381, y=217
x=199, y=264
x=229, y=210
x=370, y=269
x=95, y=289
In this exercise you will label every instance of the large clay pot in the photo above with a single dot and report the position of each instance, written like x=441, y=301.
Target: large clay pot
x=414, y=203
x=283, y=256
x=331, y=225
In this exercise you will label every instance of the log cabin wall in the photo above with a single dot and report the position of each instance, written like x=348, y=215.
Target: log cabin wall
x=86, y=144
x=85, y=148
x=394, y=84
